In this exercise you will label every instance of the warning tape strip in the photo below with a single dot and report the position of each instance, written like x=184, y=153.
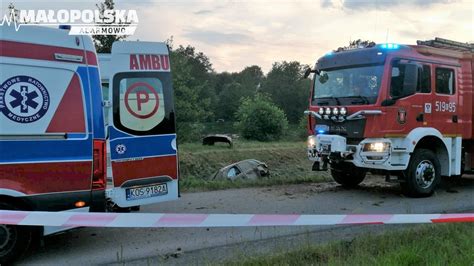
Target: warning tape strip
x=75, y=219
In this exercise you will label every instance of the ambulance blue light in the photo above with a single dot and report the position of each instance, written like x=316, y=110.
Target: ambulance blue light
x=329, y=53
x=321, y=131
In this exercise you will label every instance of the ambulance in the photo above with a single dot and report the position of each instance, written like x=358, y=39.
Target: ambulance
x=54, y=138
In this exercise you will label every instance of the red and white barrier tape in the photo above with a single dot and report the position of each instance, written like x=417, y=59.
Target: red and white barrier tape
x=216, y=220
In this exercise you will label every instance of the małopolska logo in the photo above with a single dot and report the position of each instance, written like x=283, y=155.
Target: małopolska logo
x=81, y=22
x=23, y=99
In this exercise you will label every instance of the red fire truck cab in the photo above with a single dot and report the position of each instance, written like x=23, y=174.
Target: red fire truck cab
x=403, y=110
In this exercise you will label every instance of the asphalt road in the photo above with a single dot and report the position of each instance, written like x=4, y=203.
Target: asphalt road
x=87, y=246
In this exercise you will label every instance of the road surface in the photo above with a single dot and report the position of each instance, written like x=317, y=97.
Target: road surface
x=85, y=246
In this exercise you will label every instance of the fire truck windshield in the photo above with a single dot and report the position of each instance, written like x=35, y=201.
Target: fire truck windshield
x=348, y=85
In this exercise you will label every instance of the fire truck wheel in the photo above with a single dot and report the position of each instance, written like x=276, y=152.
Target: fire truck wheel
x=14, y=240
x=422, y=175
x=347, y=175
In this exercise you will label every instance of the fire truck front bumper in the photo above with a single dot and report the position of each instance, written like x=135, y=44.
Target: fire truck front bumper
x=371, y=153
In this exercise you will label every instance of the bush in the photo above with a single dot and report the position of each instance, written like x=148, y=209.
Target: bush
x=259, y=119
x=189, y=132
x=303, y=127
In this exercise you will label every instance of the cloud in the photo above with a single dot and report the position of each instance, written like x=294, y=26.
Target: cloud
x=217, y=38
x=203, y=12
x=381, y=4
x=326, y=3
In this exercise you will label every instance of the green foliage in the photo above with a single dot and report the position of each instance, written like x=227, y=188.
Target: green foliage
x=229, y=101
x=232, y=87
x=287, y=162
x=303, y=127
x=189, y=132
x=103, y=43
x=288, y=89
x=193, y=85
x=448, y=244
x=259, y=119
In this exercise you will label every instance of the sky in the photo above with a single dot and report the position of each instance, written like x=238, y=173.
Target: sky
x=235, y=34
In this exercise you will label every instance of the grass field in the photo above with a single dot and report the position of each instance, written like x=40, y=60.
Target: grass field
x=287, y=162
x=440, y=244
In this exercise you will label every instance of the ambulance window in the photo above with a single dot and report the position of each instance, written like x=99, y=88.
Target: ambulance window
x=425, y=84
x=445, y=81
x=141, y=103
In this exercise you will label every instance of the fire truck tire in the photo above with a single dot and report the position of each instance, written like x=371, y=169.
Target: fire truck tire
x=422, y=175
x=347, y=175
x=14, y=240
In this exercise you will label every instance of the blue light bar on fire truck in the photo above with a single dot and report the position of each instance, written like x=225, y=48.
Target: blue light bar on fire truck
x=389, y=46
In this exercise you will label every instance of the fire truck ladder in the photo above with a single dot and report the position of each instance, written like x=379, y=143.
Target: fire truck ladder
x=448, y=44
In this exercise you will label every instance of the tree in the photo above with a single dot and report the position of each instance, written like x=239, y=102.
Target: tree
x=288, y=89
x=250, y=79
x=229, y=101
x=103, y=43
x=193, y=82
x=13, y=11
x=259, y=119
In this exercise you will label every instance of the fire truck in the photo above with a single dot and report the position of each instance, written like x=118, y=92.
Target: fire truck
x=405, y=111
x=54, y=138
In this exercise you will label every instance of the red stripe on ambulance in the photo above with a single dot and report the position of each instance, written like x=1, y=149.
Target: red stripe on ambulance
x=149, y=62
x=135, y=169
x=43, y=52
x=48, y=177
x=69, y=117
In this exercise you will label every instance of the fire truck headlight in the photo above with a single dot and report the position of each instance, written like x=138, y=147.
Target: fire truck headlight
x=311, y=142
x=335, y=111
x=321, y=111
x=376, y=147
x=328, y=111
x=343, y=111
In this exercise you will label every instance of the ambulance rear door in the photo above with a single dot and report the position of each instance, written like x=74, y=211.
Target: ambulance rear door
x=141, y=128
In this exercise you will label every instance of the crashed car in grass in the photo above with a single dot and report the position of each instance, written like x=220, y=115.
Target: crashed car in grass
x=213, y=138
x=250, y=169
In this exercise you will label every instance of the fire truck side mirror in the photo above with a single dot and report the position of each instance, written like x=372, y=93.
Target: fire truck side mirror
x=308, y=71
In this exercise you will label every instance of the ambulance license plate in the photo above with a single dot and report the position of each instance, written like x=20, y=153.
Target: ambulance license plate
x=146, y=192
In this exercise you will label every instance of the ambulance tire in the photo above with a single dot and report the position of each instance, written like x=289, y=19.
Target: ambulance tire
x=347, y=175
x=423, y=174
x=14, y=239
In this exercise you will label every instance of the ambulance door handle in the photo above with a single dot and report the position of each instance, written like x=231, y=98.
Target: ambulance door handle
x=68, y=57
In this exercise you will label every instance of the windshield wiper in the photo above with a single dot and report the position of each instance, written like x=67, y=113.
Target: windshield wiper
x=330, y=97
x=363, y=98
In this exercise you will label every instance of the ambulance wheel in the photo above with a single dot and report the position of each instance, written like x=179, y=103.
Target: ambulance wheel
x=347, y=175
x=422, y=175
x=14, y=240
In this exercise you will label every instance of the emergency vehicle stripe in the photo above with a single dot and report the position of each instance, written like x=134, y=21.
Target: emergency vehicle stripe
x=86, y=88
x=48, y=177
x=34, y=150
x=96, y=93
x=69, y=116
x=147, y=167
x=149, y=146
x=43, y=52
x=213, y=220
